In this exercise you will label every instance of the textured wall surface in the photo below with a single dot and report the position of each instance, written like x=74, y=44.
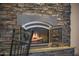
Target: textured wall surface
x=8, y=15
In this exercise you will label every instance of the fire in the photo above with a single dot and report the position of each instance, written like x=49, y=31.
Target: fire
x=36, y=37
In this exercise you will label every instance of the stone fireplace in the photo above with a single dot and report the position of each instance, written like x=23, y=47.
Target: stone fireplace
x=44, y=20
x=53, y=20
x=40, y=26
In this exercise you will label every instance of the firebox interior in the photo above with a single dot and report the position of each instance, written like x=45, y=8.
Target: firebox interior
x=40, y=36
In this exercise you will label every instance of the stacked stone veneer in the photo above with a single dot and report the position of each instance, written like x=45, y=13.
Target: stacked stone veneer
x=64, y=11
x=8, y=16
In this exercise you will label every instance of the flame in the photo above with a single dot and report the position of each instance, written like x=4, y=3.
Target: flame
x=36, y=37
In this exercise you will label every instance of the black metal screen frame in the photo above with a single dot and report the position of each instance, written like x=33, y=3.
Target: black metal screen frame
x=20, y=50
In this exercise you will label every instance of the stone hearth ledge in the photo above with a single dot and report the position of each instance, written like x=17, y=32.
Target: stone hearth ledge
x=48, y=49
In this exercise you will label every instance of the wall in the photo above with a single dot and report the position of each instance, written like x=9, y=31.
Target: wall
x=8, y=16
x=75, y=27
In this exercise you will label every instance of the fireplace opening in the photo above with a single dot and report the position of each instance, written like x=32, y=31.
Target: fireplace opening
x=40, y=37
x=40, y=30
